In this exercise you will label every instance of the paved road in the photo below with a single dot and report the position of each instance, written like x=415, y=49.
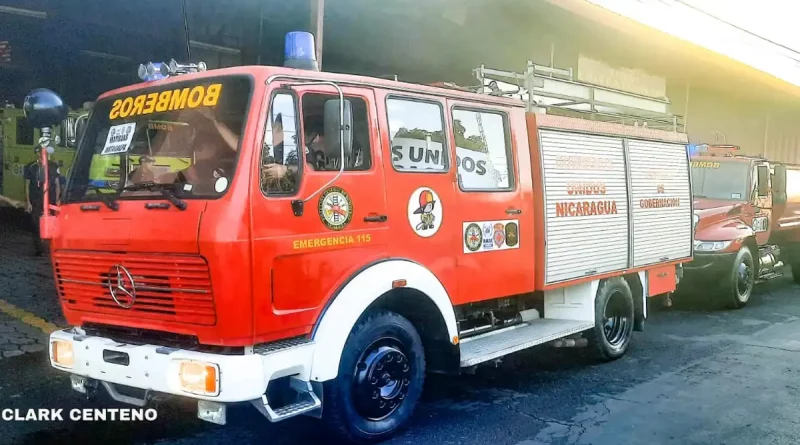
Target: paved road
x=697, y=375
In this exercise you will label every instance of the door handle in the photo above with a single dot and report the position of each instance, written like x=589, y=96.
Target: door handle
x=513, y=211
x=376, y=218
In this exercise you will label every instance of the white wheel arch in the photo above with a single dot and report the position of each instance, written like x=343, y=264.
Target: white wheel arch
x=356, y=296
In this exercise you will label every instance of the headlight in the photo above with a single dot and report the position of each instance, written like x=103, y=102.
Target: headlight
x=711, y=246
x=62, y=353
x=695, y=220
x=199, y=378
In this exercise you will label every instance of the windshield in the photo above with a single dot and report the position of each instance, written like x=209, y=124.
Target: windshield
x=184, y=136
x=720, y=179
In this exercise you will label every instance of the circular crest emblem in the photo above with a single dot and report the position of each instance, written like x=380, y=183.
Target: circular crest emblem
x=473, y=237
x=512, y=234
x=335, y=208
x=425, y=212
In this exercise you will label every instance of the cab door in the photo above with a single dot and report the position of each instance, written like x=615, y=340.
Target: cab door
x=301, y=257
x=762, y=202
x=420, y=178
x=494, y=201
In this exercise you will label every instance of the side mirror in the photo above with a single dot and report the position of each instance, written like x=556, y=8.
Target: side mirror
x=44, y=108
x=763, y=180
x=72, y=128
x=779, y=185
x=339, y=128
x=80, y=126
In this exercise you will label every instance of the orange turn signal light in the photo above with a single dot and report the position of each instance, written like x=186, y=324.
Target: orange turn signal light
x=199, y=378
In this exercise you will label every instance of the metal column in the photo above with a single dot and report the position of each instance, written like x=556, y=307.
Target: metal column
x=317, y=18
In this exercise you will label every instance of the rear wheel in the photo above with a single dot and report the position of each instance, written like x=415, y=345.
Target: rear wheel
x=380, y=379
x=613, y=327
x=741, y=280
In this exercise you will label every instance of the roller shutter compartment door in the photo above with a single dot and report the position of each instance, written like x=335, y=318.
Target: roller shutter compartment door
x=586, y=215
x=661, y=202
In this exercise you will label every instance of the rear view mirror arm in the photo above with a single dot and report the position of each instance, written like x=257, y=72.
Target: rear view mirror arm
x=297, y=205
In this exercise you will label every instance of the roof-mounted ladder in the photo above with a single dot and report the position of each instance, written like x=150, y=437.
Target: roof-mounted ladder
x=553, y=90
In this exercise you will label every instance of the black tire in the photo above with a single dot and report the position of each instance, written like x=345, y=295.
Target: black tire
x=384, y=356
x=614, y=319
x=741, y=279
x=796, y=270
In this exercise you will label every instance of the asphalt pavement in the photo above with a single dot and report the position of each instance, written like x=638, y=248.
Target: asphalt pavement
x=699, y=374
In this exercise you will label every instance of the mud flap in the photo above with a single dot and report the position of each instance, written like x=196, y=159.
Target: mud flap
x=639, y=290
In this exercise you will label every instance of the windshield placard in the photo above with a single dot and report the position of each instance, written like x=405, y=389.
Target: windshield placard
x=119, y=139
x=170, y=100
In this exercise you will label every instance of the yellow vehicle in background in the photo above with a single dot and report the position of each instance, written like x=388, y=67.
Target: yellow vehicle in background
x=105, y=170
x=17, y=142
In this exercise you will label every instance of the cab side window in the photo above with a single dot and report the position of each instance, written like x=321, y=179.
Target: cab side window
x=280, y=160
x=483, y=149
x=416, y=130
x=322, y=158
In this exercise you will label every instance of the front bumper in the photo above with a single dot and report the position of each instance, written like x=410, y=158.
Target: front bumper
x=709, y=266
x=156, y=369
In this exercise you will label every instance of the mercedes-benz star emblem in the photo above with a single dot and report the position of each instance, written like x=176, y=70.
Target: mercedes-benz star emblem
x=122, y=286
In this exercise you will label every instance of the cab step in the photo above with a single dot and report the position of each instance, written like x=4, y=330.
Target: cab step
x=307, y=402
x=495, y=344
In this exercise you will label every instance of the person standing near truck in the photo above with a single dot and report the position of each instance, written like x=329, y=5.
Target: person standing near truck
x=34, y=191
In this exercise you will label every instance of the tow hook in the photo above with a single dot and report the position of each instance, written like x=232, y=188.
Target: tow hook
x=87, y=387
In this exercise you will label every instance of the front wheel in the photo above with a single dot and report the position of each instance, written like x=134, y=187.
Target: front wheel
x=381, y=374
x=742, y=279
x=613, y=316
x=796, y=270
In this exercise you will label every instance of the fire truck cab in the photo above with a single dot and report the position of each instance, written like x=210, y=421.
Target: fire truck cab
x=336, y=237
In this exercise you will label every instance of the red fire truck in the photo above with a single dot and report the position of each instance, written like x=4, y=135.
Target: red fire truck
x=746, y=220
x=336, y=237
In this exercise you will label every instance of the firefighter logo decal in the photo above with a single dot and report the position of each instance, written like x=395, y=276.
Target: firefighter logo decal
x=473, y=237
x=425, y=212
x=335, y=208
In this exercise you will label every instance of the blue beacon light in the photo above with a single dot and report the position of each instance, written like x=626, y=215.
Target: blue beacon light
x=299, y=51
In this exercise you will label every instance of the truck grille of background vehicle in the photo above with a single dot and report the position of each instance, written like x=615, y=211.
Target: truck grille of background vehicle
x=173, y=288
x=269, y=348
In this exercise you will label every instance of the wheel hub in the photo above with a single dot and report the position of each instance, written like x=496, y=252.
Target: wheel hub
x=744, y=276
x=381, y=381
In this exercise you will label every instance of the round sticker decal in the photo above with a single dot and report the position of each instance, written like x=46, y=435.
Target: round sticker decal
x=512, y=234
x=424, y=212
x=473, y=237
x=221, y=184
x=335, y=208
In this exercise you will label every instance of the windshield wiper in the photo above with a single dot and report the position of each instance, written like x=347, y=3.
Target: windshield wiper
x=165, y=190
x=109, y=201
